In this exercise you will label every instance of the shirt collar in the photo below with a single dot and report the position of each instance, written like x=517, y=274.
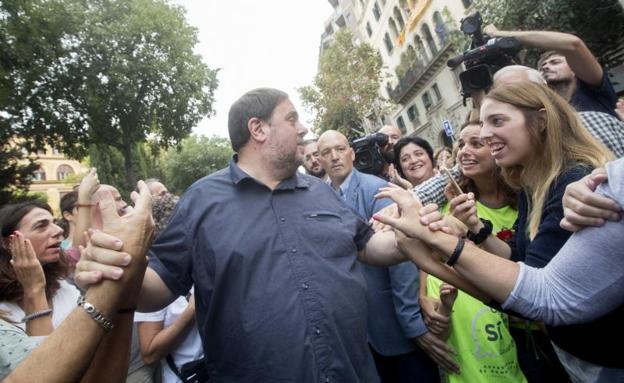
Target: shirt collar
x=344, y=186
x=237, y=174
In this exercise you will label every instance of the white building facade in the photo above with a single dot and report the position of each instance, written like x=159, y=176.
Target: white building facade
x=413, y=38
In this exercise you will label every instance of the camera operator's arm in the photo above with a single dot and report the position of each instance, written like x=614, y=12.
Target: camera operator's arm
x=580, y=59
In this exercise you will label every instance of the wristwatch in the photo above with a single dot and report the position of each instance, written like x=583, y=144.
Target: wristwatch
x=97, y=316
x=481, y=236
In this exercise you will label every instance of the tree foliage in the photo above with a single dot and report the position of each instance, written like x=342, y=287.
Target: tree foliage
x=197, y=156
x=345, y=91
x=599, y=23
x=75, y=73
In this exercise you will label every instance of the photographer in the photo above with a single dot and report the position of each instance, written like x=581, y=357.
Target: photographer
x=569, y=68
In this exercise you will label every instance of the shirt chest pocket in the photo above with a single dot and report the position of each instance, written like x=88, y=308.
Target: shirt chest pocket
x=328, y=235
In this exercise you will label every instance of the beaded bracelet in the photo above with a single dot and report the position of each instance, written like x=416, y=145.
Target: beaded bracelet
x=36, y=314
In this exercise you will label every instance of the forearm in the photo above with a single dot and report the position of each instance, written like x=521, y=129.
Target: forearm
x=33, y=302
x=441, y=270
x=56, y=359
x=492, y=275
x=422, y=282
x=381, y=250
x=545, y=40
x=167, y=339
x=83, y=223
x=112, y=358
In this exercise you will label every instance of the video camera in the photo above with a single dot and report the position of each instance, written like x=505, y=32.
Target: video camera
x=485, y=56
x=368, y=153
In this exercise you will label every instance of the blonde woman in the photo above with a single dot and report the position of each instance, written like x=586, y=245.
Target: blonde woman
x=536, y=138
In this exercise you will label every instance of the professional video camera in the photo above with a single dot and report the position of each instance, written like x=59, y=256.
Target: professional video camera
x=368, y=153
x=485, y=56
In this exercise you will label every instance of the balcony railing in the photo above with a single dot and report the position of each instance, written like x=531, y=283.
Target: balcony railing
x=418, y=74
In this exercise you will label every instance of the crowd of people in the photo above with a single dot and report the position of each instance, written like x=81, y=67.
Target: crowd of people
x=498, y=260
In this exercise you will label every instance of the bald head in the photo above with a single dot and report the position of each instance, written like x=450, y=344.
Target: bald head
x=394, y=134
x=517, y=73
x=336, y=156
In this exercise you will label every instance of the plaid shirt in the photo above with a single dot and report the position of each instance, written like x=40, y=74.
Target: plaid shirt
x=604, y=127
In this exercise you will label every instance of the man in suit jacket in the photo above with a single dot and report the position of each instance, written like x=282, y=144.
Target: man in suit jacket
x=394, y=318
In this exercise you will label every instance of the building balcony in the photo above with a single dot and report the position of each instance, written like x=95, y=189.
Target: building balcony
x=418, y=75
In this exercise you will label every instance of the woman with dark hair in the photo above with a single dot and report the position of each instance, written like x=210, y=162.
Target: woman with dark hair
x=413, y=161
x=33, y=268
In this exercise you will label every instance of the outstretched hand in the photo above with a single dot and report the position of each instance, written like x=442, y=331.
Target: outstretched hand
x=408, y=220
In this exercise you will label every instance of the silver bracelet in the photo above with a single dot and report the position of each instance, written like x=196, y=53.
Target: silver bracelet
x=36, y=314
x=97, y=316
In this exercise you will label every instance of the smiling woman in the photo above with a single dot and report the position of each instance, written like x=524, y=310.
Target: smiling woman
x=33, y=292
x=413, y=159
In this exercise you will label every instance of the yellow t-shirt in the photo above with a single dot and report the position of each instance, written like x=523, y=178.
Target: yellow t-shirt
x=486, y=352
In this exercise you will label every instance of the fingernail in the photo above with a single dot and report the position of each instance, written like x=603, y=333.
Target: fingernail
x=126, y=260
x=118, y=243
x=117, y=273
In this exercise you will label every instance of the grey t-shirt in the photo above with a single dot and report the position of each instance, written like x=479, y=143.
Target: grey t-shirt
x=585, y=280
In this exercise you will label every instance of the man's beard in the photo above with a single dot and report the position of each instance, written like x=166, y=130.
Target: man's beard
x=562, y=87
x=319, y=174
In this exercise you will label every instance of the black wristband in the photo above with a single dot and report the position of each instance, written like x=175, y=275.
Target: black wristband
x=457, y=252
x=483, y=234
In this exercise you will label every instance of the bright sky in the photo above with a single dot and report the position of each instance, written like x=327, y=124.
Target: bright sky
x=257, y=43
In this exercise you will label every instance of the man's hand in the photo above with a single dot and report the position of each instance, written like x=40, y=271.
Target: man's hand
x=391, y=211
x=582, y=206
x=490, y=30
x=122, y=240
x=439, y=351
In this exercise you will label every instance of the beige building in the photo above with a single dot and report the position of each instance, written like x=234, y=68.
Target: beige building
x=51, y=179
x=413, y=40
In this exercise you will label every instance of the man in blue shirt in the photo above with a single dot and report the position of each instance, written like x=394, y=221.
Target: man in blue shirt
x=280, y=296
x=394, y=318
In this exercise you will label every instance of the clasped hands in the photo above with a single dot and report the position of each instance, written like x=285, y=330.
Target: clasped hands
x=411, y=220
x=120, y=240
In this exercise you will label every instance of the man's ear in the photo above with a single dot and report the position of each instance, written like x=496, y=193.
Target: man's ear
x=257, y=129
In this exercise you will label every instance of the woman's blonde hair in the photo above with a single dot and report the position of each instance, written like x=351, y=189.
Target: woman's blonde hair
x=558, y=139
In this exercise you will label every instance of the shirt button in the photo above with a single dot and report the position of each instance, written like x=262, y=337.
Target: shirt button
x=317, y=331
x=293, y=250
x=282, y=219
x=305, y=286
x=327, y=379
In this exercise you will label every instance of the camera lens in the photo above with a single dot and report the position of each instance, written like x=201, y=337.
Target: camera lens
x=470, y=25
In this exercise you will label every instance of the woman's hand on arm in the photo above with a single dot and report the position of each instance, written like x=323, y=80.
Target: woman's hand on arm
x=29, y=274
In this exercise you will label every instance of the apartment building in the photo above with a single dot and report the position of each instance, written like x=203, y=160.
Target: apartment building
x=413, y=38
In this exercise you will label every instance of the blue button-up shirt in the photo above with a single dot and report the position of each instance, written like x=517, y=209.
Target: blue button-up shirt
x=279, y=293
